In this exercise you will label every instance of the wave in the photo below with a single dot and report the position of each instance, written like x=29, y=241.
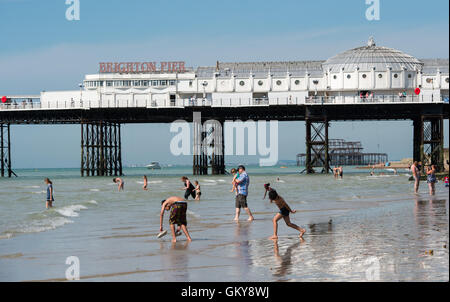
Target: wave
x=71, y=211
x=92, y=202
x=94, y=190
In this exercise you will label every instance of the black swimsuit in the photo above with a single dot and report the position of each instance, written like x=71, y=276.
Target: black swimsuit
x=284, y=212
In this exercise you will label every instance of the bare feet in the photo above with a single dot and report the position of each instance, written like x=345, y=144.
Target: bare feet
x=303, y=231
x=236, y=219
x=250, y=218
x=174, y=240
x=273, y=238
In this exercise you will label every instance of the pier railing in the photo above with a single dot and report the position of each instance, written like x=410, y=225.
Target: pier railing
x=221, y=102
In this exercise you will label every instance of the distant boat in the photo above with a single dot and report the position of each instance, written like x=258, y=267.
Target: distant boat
x=154, y=166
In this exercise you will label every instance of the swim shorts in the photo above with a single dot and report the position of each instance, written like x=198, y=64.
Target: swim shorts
x=284, y=212
x=178, y=214
x=241, y=201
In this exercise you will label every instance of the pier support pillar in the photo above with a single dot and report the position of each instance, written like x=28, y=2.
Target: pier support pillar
x=429, y=141
x=209, y=148
x=101, y=149
x=217, y=146
x=5, y=151
x=317, y=154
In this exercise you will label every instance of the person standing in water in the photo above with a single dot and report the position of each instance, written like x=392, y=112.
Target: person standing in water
x=145, y=183
x=178, y=208
x=50, y=199
x=285, y=210
x=188, y=188
x=243, y=183
x=198, y=191
x=119, y=182
x=431, y=179
x=341, y=172
x=416, y=174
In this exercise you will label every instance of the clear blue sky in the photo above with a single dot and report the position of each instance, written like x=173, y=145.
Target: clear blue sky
x=41, y=50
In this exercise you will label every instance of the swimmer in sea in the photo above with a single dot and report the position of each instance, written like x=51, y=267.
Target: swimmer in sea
x=119, y=182
x=285, y=210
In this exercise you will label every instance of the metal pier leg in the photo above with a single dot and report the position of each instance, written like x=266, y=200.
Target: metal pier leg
x=216, y=143
x=317, y=145
x=5, y=151
x=431, y=141
x=101, y=152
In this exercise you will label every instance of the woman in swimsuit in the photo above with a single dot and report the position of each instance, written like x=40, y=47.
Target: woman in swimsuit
x=431, y=179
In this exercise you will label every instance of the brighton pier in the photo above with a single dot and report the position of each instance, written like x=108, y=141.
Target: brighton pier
x=365, y=83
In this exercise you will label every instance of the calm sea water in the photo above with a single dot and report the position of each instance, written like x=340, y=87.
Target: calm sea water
x=359, y=228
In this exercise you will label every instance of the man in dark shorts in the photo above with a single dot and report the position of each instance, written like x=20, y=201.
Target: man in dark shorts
x=188, y=187
x=242, y=192
x=178, y=209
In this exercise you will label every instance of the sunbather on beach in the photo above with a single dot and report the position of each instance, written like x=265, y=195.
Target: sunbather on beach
x=285, y=210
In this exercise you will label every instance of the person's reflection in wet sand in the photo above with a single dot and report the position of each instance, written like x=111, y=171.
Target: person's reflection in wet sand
x=285, y=261
x=175, y=261
x=243, y=249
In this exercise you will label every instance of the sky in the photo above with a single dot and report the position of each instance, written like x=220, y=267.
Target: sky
x=41, y=50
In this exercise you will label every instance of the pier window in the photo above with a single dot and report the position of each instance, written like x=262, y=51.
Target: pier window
x=126, y=83
x=409, y=76
x=260, y=83
x=364, y=75
x=136, y=83
x=335, y=77
x=109, y=83
x=242, y=83
x=163, y=83
x=297, y=82
x=380, y=75
x=144, y=83
x=155, y=83
x=446, y=80
x=279, y=83
x=349, y=76
x=172, y=83
x=429, y=80
x=395, y=75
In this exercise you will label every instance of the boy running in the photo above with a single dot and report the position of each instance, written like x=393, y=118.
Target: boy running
x=178, y=209
x=285, y=210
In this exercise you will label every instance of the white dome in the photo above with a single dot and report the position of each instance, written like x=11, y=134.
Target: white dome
x=371, y=56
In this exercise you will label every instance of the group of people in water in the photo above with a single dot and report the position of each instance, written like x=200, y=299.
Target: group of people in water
x=240, y=184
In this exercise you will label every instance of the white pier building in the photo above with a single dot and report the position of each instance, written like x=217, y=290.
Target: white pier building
x=365, y=74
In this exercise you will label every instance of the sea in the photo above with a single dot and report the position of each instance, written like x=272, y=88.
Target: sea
x=359, y=228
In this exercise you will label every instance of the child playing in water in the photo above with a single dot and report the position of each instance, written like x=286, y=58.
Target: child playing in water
x=267, y=189
x=285, y=210
x=119, y=183
x=236, y=176
x=50, y=199
x=198, y=192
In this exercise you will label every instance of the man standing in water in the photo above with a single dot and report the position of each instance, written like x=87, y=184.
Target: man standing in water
x=416, y=174
x=178, y=209
x=242, y=192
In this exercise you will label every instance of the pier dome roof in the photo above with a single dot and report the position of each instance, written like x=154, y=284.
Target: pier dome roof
x=371, y=56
